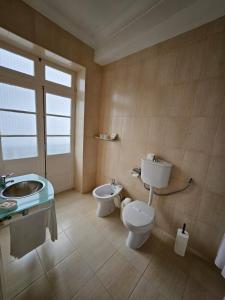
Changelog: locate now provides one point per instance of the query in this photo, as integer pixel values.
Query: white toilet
(138, 217)
(105, 196)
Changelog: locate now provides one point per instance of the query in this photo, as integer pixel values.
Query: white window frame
(40, 85)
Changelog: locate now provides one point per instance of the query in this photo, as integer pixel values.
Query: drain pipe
(150, 197)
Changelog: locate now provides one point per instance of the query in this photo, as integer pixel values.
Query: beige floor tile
(67, 216)
(118, 276)
(92, 290)
(145, 290)
(22, 272)
(166, 276)
(208, 276)
(138, 258)
(195, 291)
(96, 250)
(80, 231)
(39, 290)
(101, 223)
(51, 253)
(69, 276)
(116, 233)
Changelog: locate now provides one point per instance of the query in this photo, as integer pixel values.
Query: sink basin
(23, 189)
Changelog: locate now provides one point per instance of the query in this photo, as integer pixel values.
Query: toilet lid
(138, 213)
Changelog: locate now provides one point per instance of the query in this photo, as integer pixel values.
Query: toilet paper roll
(150, 156)
(125, 202)
(134, 174)
(181, 242)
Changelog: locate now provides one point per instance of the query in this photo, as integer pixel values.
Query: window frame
(13, 81)
(60, 90)
(39, 84)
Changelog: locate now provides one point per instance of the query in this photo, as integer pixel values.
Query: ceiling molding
(116, 29)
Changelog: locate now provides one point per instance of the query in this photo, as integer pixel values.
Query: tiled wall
(170, 99)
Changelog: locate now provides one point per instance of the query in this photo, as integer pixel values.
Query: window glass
(58, 145)
(12, 123)
(17, 98)
(58, 105)
(57, 76)
(58, 125)
(19, 147)
(16, 62)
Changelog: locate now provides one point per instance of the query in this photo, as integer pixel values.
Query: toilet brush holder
(181, 241)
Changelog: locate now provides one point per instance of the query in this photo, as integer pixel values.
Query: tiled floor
(90, 261)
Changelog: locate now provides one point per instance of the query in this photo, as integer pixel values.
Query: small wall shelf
(111, 138)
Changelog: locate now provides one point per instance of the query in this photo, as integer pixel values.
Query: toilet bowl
(105, 195)
(138, 217)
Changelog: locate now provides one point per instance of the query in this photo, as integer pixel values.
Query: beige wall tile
(135, 129)
(176, 132)
(214, 59)
(189, 62)
(206, 239)
(157, 131)
(215, 175)
(219, 141)
(195, 165)
(209, 98)
(182, 99)
(166, 69)
(201, 134)
(212, 209)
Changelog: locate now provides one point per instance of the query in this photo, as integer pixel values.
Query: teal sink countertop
(39, 198)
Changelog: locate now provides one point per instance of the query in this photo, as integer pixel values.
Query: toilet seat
(138, 214)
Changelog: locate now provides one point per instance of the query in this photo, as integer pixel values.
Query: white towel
(220, 258)
(27, 233)
(2, 279)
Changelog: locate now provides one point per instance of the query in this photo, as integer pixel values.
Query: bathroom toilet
(105, 196)
(138, 217)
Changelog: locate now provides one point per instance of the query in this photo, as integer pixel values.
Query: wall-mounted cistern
(156, 174)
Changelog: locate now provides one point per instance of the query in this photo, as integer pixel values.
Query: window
(18, 125)
(16, 98)
(56, 76)
(22, 128)
(16, 62)
(56, 104)
(58, 124)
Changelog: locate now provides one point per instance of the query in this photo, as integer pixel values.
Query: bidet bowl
(105, 195)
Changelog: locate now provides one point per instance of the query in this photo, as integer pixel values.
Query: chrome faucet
(113, 181)
(3, 181)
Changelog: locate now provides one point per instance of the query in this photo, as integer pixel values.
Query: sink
(23, 189)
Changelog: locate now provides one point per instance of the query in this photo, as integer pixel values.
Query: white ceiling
(117, 28)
